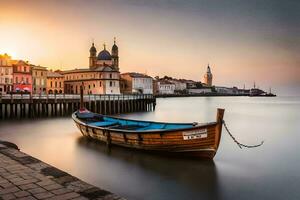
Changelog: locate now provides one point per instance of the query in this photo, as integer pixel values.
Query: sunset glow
(176, 39)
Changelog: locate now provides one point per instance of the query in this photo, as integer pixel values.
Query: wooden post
(81, 97)
(1, 104)
(219, 119)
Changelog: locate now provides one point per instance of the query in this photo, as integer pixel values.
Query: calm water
(269, 172)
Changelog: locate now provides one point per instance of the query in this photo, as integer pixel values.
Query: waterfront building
(22, 78)
(39, 79)
(136, 83)
(102, 76)
(203, 90)
(55, 82)
(227, 90)
(180, 85)
(164, 87)
(6, 74)
(100, 80)
(208, 77)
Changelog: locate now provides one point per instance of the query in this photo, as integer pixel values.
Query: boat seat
(103, 123)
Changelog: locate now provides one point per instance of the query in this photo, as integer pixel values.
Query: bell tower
(115, 55)
(208, 77)
(93, 57)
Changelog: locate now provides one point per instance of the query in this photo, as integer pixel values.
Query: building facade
(6, 74)
(39, 79)
(102, 76)
(55, 83)
(22, 78)
(100, 80)
(164, 87)
(208, 77)
(136, 83)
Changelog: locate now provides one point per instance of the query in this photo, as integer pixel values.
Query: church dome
(104, 55)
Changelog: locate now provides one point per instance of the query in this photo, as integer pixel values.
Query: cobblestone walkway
(25, 177)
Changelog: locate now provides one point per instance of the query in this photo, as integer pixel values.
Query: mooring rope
(237, 142)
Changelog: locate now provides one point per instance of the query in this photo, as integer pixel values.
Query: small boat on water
(185, 139)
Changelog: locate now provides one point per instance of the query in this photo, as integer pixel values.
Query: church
(102, 76)
(104, 58)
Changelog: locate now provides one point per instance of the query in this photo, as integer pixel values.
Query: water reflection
(268, 172)
(198, 176)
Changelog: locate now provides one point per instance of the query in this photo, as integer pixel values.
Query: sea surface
(271, 171)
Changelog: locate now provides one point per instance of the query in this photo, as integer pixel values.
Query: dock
(25, 177)
(35, 106)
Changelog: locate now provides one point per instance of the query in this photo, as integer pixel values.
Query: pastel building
(6, 74)
(136, 83)
(22, 78)
(55, 83)
(102, 76)
(100, 80)
(39, 79)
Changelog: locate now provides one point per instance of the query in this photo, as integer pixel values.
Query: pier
(35, 106)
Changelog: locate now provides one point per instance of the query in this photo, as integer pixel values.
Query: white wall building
(226, 90)
(165, 87)
(136, 83)
(179, 85)
(199, 90)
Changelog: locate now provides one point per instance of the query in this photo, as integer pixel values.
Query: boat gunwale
(76, 119)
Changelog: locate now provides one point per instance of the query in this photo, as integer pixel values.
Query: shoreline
(23, 176)
(208, 95)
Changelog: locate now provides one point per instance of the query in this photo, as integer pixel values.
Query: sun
(11, 53)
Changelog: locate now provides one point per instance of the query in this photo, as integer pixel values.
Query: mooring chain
(237, 142)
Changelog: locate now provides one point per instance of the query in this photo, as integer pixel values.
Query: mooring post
(1, 105)
(81, 97)
(219, 119)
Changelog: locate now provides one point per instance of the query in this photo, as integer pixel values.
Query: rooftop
(52, 74)
(136, 75)
(106, 68)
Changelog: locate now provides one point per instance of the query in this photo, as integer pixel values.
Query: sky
(243, 41)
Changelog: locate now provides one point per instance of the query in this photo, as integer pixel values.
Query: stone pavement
(25, 177)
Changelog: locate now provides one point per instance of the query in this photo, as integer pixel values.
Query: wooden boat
(186, 139)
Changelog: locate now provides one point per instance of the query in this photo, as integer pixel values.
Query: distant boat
(184, 139)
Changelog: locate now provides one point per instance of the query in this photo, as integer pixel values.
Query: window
(17, 80)
(55, 84)
(51, 84)
(100, 83)
(110, 83)
(59, 84)
(94, 86)
(110, 75)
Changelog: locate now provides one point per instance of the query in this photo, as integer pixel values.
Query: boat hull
(201, 141)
